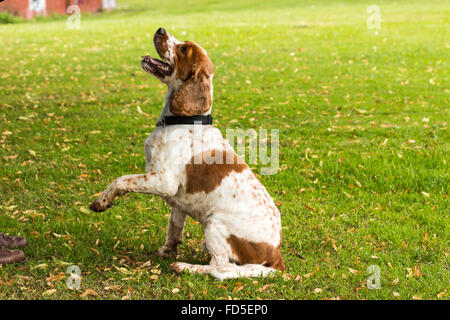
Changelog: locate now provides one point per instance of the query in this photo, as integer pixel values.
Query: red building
(29, 8)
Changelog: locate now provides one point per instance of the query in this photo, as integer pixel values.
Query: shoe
(11, 256)
(12, 242)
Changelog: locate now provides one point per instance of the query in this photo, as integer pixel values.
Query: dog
(196, 172)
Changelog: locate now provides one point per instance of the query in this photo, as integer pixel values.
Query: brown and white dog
(200, 175)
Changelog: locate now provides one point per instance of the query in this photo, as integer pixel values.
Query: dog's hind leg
(224, 271)
(220, 266)
(216, 245)
(231, 271)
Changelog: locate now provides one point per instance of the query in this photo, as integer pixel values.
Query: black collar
(173, 120)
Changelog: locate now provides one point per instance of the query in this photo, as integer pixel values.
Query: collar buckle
(161, 123)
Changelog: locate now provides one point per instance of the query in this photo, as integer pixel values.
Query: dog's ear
(194, 95)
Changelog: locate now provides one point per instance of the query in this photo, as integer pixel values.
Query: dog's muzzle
(156, 67)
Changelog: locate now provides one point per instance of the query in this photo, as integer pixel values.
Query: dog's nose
(161, 31)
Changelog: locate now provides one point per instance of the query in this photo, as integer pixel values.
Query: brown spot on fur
(256, 252)
(203, 175)
(146, 176)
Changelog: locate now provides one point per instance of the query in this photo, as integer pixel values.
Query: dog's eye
(184, 49)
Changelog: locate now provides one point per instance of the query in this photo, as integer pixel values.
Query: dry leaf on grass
(40, 266)
(52, 278)
(84, 210)
(114, 288)
(264, 287)
(89, 292)
(49, 292)
(317, 290)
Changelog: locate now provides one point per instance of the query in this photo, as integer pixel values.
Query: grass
(7, 18)
(363, 120)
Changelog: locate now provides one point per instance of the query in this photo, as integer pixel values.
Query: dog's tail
(230, 271)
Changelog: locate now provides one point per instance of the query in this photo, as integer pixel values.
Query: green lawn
(364, 146)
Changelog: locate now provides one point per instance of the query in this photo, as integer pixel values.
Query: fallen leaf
(312, 273)
(123, 270)
(333, 244)
(84, 210)
(404, 245)
(52, 278)
(146, 264)
(139, 110)
(114, 288)
(89, 292)
(49, 292)
(40, 266)
(264, 287)
(417, 272)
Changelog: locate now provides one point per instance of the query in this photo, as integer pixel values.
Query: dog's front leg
(174, 234)
(140, 183)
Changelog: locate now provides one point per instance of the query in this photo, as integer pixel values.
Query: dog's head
(186, 69)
